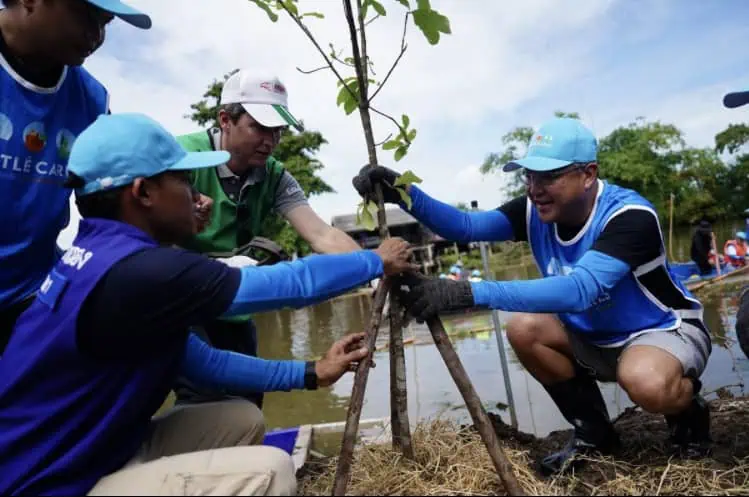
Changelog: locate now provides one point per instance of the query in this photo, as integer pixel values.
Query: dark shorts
(690, 344)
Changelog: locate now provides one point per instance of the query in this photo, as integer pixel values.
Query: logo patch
(34, 137)
(274, 87)
(64, 143)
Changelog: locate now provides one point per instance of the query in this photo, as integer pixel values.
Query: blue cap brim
(736, 99)
(536, 164)
(201, 160)
(124, 12)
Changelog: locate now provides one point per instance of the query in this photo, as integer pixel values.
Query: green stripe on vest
(225, 227)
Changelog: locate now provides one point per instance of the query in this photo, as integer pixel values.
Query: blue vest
(648, 298)
(68, 419)
(37, 129)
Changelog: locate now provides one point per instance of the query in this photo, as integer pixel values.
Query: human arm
(323, 238)
(629, 241)
(236, 373)
(444, 219)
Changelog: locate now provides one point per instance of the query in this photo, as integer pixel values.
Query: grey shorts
(690, 344)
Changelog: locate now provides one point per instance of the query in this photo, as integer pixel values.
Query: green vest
(226, 222)
(225, 226)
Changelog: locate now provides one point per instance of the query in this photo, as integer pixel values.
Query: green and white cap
(263, 97)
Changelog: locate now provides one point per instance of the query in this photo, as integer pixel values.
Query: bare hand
(344, 356)
(395, 254)
(202, 210)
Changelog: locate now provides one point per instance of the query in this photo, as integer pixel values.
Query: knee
(523, 330)
(244, 423)
(651, 390)
(281, 466)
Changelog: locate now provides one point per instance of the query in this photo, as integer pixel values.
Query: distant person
(702, 245)
(607, 306)
(735, 250)
(251, 186)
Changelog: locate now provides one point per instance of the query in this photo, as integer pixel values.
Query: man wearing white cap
(248, 189)
(46, 100)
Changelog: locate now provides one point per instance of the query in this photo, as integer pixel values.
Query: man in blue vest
(98, 350)
(607, 307)
(47, 100)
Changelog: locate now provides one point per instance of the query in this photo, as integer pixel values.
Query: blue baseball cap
(736, 99)
(124, 12)
(741, 235)
(558, 143)
(118, 148)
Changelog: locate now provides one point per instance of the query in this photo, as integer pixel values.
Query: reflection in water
(306, 334)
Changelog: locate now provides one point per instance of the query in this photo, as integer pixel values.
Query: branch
(404, 46)
(403, 132)
(390, 135)
(364, 55)
(323, 68)
(312, 38)
(372, 20)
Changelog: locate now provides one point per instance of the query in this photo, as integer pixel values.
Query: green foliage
(430, 22)
(653, 159)
(297, 153)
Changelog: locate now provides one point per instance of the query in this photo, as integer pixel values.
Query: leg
(548, 351)
(660, 372)
(541, 343)
(201, 427)
(231, 471)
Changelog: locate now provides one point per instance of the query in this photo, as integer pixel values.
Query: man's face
(68, 30)
(172, 204)
(560, 194)
(249, 142)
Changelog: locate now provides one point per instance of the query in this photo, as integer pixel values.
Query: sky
(506, 64)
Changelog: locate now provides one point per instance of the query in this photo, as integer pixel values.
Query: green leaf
(391, 145)
(406, 121)
(404, 3)
(373, 208)
(405, 197)
(345, 99)
(365, 219)
(378, 7)
(289, 4)
(314, 14)
(350, 106)
(407, 178)
(412, 135)
(430, 22)
(400, 153)
(263, 5)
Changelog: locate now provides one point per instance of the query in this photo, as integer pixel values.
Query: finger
(352, 339)
(356, 355)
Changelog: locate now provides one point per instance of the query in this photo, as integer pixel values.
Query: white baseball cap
(264, 98)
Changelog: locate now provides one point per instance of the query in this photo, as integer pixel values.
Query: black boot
(689, 431)
(582, 405)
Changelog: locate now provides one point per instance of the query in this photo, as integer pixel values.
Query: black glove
(427, 297)
(369, 176)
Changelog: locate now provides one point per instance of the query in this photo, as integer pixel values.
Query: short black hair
(235, 111)
(105, 204)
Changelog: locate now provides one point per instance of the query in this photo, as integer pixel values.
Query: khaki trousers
(205, 449)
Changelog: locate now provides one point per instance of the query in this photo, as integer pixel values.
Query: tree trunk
(399, 422)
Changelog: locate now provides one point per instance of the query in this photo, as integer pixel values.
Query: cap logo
(542, 141)
(274, 87)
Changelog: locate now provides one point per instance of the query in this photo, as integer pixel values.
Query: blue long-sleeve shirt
(163, 291)
(618, 250)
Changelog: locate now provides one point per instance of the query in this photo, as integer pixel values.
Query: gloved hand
(427, 297)
(369, 176)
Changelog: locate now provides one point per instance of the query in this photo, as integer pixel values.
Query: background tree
(296, 151)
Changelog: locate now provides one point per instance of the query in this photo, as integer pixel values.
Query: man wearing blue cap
(607, 307)
(47, 100)
(98, 350)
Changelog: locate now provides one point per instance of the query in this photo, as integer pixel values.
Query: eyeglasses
(548, 178)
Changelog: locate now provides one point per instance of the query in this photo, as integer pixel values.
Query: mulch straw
(451, 460)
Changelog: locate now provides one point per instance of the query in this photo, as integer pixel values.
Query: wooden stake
(671, 230)
(399, 422)
(475, 408)
(343, 472)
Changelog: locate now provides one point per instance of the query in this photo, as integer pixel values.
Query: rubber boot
(689, 431)
(582, 405)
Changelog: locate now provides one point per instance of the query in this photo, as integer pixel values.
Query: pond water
(307, 333)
